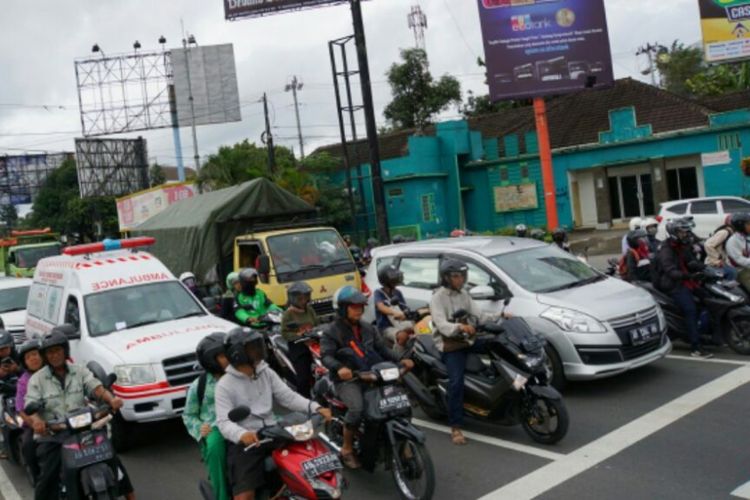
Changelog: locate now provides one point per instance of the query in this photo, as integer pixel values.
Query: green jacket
(45, 387)
(196, 413)
(255, 306)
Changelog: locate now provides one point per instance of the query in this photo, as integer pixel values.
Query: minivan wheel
(554, 367)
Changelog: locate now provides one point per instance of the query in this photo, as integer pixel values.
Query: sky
(40, 40)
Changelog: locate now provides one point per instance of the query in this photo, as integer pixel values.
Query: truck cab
(21, 252)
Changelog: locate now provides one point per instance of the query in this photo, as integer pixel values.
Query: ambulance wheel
(121, 433)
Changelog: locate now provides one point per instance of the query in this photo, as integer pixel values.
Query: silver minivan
(595, 326)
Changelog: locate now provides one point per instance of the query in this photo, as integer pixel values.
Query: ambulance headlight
(135, 374)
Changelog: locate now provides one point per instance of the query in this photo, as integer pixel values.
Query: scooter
(386, 433)
(11, 422)
(509, 387)
(300, 466)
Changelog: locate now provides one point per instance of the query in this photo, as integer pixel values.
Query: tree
(156, 176)
(417, 97)
(9, 216)
(242, 162)
(677, 64)
(720, 79)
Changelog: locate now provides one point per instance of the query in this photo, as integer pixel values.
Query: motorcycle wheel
(738, 336)
(413, 471)
(544, 420)
(435, 411)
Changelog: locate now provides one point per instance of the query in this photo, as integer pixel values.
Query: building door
(682, 183)
(631, 196)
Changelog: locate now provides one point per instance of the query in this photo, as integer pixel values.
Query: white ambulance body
(134, 318)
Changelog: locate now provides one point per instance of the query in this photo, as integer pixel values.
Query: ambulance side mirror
(264, 268)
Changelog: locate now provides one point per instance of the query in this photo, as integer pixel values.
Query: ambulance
(132, 317)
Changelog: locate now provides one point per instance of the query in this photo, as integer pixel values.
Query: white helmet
(636, 223)
(649, 221)
(186, 276)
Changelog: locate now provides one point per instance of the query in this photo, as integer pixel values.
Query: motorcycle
(509, 387)
(11, 422)
(386, 433)
(300, 466)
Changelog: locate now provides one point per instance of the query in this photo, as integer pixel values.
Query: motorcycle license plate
(87, 450)
(320, 465)
(644, 334)
(393, 399)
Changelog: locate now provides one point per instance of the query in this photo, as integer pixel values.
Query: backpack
(201, 390)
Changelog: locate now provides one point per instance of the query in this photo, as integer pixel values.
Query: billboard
(22, 176)
(137, 208)
(234, 9)
(726, 29)
(111, 167)
(213, 81)
(535, 48)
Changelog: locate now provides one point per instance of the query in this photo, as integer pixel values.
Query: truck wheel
(121, 431)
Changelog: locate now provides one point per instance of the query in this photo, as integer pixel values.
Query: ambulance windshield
(134, 306)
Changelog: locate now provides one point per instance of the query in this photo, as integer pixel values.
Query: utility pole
(650, 51)
(294, 87)
(418, 23)
(186, 45)
(268, 139)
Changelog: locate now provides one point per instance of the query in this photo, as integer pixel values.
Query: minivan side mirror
(483, 292)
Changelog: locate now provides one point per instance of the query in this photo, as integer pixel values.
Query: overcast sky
(39, 41)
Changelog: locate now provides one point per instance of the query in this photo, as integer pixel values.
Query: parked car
(707, 213)
(595, 326)
(14, 292)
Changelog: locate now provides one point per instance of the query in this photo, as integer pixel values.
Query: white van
(133, 317)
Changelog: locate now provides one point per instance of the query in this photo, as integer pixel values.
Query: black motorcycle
(12, 424)
(509, 386)
(386, 433)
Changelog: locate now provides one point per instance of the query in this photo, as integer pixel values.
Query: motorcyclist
(349, 331)
(251, 303)
(716, 246)
(249, 381)
(199, 416)
(298, 319)
(651, 226)
(30, 357)
(188, 279)
(391, 309)
(371, 244)
(635, 223)
(637, 262)
(227, 300)
(560, 238)
(60, 387)
(9, 371)
(455, 340)
(674, 273)
(521, 230)
(738, 248)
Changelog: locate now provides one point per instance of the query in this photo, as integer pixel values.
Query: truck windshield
(134, 306)
(309, 254)
(29, 257)
(13, 299)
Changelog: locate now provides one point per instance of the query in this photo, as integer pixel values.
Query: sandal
(457, 437)
(350, 461)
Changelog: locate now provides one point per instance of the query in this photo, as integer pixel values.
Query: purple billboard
(535, 48)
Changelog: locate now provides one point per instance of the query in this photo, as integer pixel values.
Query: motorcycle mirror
(239, 414)
(110, 380)
(506, 301)
(98, 372)
(33, 408)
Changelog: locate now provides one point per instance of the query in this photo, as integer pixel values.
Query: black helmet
(57, 337)
(208, 348)
(739, 220)
(450, 266)
(6, 339)
(346, 296)
(521, 230)
(297, 290)
(682, 224)
(236, 343)
(390, 276)
(559, 235)
(634, 237)
(27, 347)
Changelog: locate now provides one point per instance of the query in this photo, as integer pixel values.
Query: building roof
(728, 102)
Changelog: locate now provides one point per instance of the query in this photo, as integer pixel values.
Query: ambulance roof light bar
(109, 245)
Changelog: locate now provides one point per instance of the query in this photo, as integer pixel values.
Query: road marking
(7, 490)
(555, 473)
(734, 362)
(742, 492)
(529, 450)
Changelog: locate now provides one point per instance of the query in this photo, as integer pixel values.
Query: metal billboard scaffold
(22, 176)
(111, 167)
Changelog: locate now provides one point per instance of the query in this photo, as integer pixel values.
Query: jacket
(715, 247)
(638, 269)
(198, 412)
(669, 274)
(252, 306)
(45, 387)
(340, 334)
(444, 303)
(259, 393)
(738, 250)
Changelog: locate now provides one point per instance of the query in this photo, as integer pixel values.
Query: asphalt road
(671, 430)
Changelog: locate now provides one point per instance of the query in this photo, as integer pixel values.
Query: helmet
(345, 297)
(635, 223)
(232, 278)
(521, 230)
(651, 226)
(682, 224)
(26, 347)
(235, 346)
(188, 279)
(739, 220)
(249, 279)
(399, 238)
(347, 239)
(298, 289)
(390, 276)
(6, 339)
(634, 238)
(559, 235)
(450, 266)
(537, 234)
(372, 242)
(208, 348)
(58, 337)
(458, 233)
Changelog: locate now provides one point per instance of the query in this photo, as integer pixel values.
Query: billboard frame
(111, 167)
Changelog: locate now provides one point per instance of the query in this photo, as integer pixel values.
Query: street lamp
(136, 45)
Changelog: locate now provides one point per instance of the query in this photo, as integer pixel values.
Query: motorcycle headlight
(573, 321)
(389, 374)
(332, 491)
(135, 374)
(301, 432)
(80, 421)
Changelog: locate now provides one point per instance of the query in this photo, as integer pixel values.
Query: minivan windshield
(545, 269)
(309, 254)
(141, 305)
(13, 299)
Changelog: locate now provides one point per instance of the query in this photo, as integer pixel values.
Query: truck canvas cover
(197, 234)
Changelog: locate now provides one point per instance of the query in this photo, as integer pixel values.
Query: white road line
(7, 490)
(743, 491)
(711, 360)
(596, 452)
(529, 450)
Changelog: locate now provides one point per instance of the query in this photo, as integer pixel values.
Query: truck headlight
(573, 321)
(135, 374)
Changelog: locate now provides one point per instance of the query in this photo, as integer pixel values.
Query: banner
(137, 208)
(535, 48)
(234, 9)
(726, 29)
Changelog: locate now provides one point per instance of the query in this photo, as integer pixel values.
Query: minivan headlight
(573, 321)
(660, 317)
(135, 374)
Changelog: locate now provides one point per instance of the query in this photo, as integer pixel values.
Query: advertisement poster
(135, 209)
(234, 9)
(726, 29)
(535, 48)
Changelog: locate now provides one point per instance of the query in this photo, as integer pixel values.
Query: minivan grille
(634, 319)
(182, 370)
(19, 336)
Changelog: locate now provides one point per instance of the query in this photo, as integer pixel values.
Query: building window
(729, 141)
(395, 192)
(428, 207)
(524, 171)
